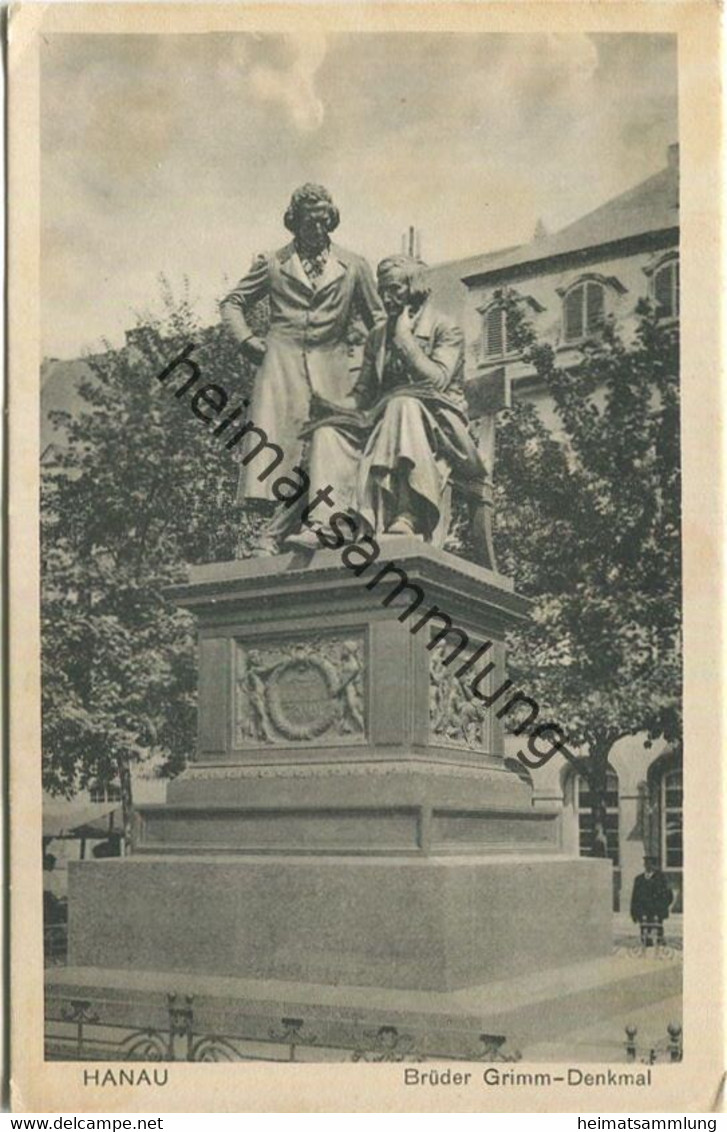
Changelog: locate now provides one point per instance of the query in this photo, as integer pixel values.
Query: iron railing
(76, 1030)
(668, 1049)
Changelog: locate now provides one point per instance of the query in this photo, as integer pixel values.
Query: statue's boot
(304, 539)
(404, 525)
(406, 519)
(285, 519)
(264, 545)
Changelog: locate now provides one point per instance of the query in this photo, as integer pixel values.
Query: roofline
(472, 258)
(627, 194)
(579, 256)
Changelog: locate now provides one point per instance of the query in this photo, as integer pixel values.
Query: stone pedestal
(421, 924)
(348, 819)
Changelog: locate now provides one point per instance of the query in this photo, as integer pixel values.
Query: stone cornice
(448, 581)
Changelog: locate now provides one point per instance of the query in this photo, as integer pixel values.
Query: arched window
(663, 835)
(582, 800)
(499, 322)
(585, 817)
(666, 289)
(584, 310)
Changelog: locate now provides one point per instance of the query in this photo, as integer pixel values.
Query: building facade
(571, 281)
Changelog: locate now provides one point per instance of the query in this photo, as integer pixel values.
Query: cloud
(293, 87)
(574, 60)
(178, 153)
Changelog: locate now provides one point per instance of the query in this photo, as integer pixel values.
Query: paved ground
(606, 1041)
(626, 933)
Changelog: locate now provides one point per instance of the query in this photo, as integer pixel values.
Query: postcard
(365, 552)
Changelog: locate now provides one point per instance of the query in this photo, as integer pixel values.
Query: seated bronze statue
(391, 462)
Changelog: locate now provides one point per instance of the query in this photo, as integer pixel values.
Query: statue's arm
(250, 290)
(369, 302)
(439, 368)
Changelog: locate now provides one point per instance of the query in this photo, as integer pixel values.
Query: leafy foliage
(589, 525)
(140, 488)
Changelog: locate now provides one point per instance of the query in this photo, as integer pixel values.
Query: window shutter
(495, 332)
(664, 291)
(594, 306)
(573, 313)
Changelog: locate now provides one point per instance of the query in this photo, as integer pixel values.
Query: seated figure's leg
(401, 481)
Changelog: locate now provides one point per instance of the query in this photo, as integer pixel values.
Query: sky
(177, 154)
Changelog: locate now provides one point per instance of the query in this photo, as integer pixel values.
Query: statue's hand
(403, 329)
(254, 349)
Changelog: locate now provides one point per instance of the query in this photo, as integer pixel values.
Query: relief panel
(456, 717)
(300, 690)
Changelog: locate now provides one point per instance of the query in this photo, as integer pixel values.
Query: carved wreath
(300, 729)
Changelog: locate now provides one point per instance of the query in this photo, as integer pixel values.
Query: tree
(140, 490)
(589, 525)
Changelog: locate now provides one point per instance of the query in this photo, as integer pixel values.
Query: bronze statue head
(402, 282)
(311, 216)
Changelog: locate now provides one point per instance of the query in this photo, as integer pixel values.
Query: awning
(79, 819)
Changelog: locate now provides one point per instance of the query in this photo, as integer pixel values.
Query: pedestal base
(420, 923)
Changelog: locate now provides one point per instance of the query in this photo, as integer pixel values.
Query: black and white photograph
(358, 431)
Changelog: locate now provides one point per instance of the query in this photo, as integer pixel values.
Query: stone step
(523, 1012)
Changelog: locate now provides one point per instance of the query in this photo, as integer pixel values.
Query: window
(671, 820)
(501, 321)
(495, 332)
(671, 834)
(666, 290)
(585, 818)
(584, 310)
(585, 827)
(100, 793)
(663, 276)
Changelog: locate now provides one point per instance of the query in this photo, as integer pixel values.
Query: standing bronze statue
(314, 287)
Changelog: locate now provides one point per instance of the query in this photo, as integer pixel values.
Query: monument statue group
(347, 831)
(388, 437)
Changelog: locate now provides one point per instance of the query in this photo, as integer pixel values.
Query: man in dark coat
(650, 902)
